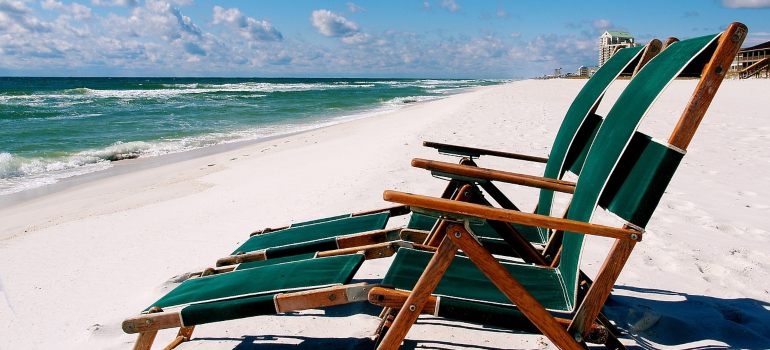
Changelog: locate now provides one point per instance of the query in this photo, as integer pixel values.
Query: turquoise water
(52, 128)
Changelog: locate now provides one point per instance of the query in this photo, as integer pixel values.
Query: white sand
(75, 263)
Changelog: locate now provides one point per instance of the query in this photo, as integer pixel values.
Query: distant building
(752, 62)
(585, 71)
(612, 41)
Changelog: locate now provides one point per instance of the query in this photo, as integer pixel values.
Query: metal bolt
(332, 297)
(458, 234)
(578, 337)
(634, 236)
(718, 70)
(466, 194)
(412, 308)
(148, 321)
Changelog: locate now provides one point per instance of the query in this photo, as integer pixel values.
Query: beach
(77, 261)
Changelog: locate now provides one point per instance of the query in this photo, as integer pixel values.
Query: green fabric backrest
(613, 137)
(576, 155)
(576, 115)
(639, 180)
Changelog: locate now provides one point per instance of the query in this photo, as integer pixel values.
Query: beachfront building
(752, 62)
(585, 71)
(612, 41)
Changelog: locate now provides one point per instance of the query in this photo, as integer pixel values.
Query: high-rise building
(611, 41)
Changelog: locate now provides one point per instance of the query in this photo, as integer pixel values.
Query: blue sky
(431, 38)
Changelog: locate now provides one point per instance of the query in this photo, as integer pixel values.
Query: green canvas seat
(625, 172)
(317, 235)
(250, 292)
(463, 280)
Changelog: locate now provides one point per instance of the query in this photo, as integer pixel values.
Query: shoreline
(75, 263)
(124, 166)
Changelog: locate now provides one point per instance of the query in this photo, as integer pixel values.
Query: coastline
(97, 251)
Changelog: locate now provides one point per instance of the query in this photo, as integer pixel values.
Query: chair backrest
(625, 171)
(580, 123)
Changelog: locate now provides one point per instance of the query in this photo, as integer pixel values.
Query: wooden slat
(425, 286)
(464, 194)
(372, 251)
(411, 235)
(668, 42)
(242, 258)
(152, 322)
(453, 207)
(395, 299)
(495, 175)
(144, 340)
(482, 151)
(322, 297)
(650, 50)
(184, 334)
(729, 43)
(601, 287)
(365, 238)
(508, 285)
(387, 297)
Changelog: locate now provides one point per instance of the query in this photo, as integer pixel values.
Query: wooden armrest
(477, 152)
(494, 175)
(464, 209)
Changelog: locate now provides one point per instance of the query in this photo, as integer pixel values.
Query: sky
(397, 39)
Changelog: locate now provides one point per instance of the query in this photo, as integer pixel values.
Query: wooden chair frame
(460, 236)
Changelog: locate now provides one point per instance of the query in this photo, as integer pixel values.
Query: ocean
(55, 128)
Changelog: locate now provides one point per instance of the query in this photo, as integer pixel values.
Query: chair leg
(512, 289)
(425, 286)
(600, 289)
(184, 334)
(144, 340)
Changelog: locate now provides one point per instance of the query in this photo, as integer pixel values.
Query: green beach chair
(348, 232)
(305, 282)
(625, 173)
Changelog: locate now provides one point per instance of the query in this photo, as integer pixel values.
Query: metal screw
(458, 234)
(332, 297)
(634, 236)
(466, 194)
(578, 337)
(412, 308)
(718, 70)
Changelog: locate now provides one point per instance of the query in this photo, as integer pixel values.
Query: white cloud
(76, 10)
(130, 3)
(250, 28)
(450, 5)
(331, 24)
(601, 24)
(746, 3)
(353, 8)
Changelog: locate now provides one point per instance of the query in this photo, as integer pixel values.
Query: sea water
(54, 128)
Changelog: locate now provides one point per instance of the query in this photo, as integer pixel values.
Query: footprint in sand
(681, 205)
(730, 229)
(747, 193)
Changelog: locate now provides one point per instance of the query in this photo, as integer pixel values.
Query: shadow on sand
(655, 317)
